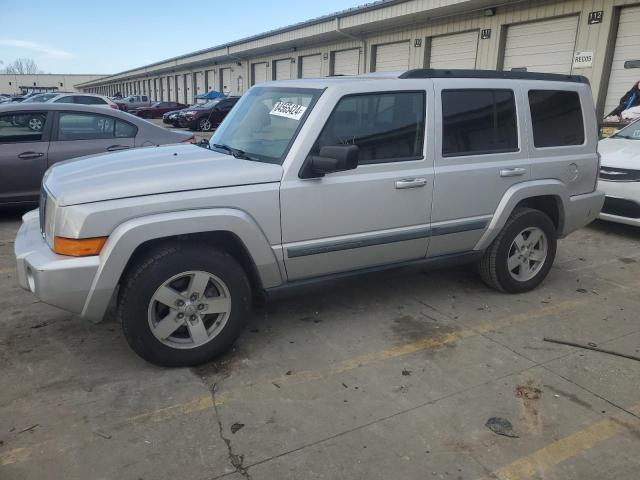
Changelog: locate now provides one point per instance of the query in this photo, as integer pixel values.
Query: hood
(152, 170)
(620, 153)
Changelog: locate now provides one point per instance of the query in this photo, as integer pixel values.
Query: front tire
(183, 304)
(522, 254)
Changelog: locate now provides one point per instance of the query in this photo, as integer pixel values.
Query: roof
(497, 74)
(71, 107)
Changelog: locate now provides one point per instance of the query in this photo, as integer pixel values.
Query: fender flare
(129, 235)
(517, 193)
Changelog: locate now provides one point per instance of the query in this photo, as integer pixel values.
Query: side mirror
(333, 158)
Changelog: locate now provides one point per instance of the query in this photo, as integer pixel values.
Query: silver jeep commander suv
(307, 180)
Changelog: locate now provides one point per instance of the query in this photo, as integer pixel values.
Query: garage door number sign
(288, 110)
(583, 60)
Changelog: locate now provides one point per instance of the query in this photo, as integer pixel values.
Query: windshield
(264, 123)
(630, 132)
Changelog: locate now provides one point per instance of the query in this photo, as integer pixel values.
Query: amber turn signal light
(78, 247)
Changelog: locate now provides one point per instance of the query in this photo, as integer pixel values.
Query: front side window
(556, 117)
(264, 123)
(478, 121)
(386, 127)
(84, 126)
(22, 127)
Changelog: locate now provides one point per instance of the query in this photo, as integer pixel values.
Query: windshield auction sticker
(288, 110)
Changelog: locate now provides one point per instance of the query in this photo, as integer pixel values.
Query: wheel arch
(548, 196)
(231, 229)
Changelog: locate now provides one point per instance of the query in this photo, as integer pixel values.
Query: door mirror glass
(334, 158)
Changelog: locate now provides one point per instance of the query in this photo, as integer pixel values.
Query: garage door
(225, 81)
(392, 57)
(200, 88)
(259, 73)
(180, 88)
(188, 80)
(282, 69)
(210, 80)
(346, 62)
(546, 46)
(311, 66)
(627, 48)
(454, 51)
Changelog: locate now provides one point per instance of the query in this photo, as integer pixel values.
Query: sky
(97, 37)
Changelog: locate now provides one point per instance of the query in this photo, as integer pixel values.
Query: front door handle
(114, 148)
(512, 172)
(30, 155)
(411, 183)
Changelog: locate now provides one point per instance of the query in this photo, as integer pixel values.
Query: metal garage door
(200, 88)
(311, 66)
(454, 51)
(225, 81)
(627, 48)
(180, 88)
(259, 73)
(282, 69)
(545, 46)
(392, 57)
(346, 62)
(188, 81)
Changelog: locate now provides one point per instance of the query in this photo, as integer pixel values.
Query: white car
(84, 99)
(620, 175)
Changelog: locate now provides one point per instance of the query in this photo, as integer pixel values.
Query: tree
(22, 66)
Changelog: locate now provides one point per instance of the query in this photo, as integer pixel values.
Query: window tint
(385, 126)
(125, 130)
(67, 99)
(145, 99)
(476, 122)
(84, 126)
(22, 127)
(556, 117)
(90, 100)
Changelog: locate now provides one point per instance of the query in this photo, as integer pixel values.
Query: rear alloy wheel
(522, 254)
(204, 125)
(183, 304)
(36, 124)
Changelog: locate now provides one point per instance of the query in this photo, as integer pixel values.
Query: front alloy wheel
(189, 309)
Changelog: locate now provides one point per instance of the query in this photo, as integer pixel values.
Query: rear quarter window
(556, 118)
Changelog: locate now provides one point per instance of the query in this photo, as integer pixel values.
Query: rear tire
(522, 254)
(204, 125)
(164, 286)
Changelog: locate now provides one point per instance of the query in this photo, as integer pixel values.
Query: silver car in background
(34, 136)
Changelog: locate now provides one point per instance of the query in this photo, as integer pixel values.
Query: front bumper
(581, 210)
(55, 279)
(187, 122)
(622, 203)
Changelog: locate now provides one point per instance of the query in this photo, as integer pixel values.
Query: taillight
(114, 106)
(191, 140)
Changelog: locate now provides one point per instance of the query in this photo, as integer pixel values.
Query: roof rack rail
(514, 75)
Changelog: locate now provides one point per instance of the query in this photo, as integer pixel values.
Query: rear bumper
(581, 210)
(58, 280)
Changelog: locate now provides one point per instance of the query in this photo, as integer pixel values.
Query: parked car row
(34, 136)
(204, 117)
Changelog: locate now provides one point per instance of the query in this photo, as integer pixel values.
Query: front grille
(619, 174)
(42, 210)
(621, 207)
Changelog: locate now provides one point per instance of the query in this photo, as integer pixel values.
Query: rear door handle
(30, 155)
(114, 148)
(512, 172)
(411, 183)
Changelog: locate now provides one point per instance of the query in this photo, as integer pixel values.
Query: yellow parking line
(19, 455)
(561, 450)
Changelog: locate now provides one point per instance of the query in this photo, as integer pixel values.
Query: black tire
(155, 268)
(204, 125)
(493, 266)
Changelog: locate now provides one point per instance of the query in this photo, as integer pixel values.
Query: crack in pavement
(236, 460)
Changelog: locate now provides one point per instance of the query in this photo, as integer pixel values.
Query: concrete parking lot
(392, 375)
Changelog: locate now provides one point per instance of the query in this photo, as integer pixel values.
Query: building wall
(17, 84)
(405, 21)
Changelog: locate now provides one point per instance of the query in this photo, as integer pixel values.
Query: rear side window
(90, 100)
(125, 130)
(22, 127)
(556, 117)
(84, 126)
(67, 99)
(476, 122)
(386, 127)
